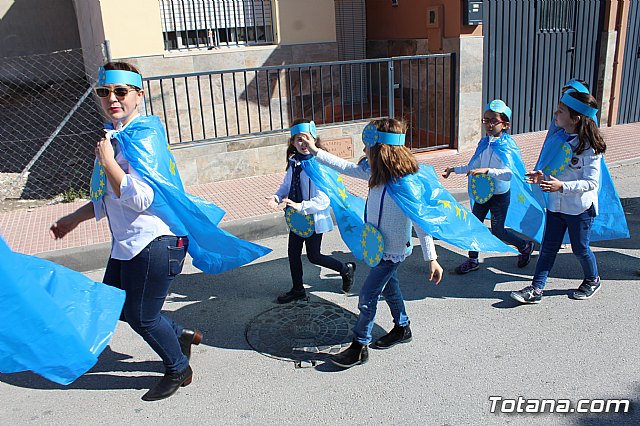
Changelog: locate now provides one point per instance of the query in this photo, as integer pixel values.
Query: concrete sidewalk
(247, 216)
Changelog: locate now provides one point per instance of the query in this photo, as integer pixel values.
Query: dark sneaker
(348, 277)
(525, 255)
(468, 266)
(354, 355)
(188, 338)
(292, 295)
(397, 335)
(527, 295)
(587, 289)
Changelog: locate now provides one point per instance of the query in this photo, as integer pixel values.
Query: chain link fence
(49, 123)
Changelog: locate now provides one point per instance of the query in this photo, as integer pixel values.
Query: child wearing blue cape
(307, 212)
(387, 160)
(572, 186)
(153, 222)
(491, 171)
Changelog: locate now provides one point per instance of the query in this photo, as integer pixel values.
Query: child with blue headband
(569, 171)
(491, 171)
(387, 159)
(307, 212)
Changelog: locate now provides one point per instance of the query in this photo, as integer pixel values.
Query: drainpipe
(622, 20)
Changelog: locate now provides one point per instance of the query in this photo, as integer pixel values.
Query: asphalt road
(471, 342)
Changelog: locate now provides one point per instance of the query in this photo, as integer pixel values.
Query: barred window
(206, 24)
(556, 15)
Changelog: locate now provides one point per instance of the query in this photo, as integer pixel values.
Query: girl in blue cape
(572, 188)
(389, 161)
(307, 213)
(495, 166)
(153, 223)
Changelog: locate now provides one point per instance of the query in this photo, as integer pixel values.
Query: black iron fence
(207, 24)
(218, 105)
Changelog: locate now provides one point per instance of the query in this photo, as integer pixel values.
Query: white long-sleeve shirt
(579, 183)
(497, 169)
(395, 227)
(314, 202)
(132, 226)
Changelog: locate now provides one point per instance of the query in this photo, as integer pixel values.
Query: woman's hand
(272, 202)
(475, 172)
(551, 185)
(104, 151)
(289, 203)
(534, 177)
(435, 271)
(447, 172)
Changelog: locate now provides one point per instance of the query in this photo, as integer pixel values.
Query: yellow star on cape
(380, 248)
(172, 167)
(339, 178)
(554, 172)
(457, 211)
(521, 198)
(365, 253)
(464, 215)
(445, 203)
(342, 193)
(379, 237)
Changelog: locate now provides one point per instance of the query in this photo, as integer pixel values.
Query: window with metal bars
(206, 24)
(556, 15)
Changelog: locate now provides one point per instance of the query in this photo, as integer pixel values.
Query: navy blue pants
(146, 280)
(313, 254)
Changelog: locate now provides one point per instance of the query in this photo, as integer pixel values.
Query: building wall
(29, 27)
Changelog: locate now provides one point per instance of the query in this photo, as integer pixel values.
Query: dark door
(629, 105)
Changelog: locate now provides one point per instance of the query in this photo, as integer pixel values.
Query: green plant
(72, 194)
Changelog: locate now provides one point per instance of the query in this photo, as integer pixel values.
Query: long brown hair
(291, 149)
(586, 128)
(389, 162)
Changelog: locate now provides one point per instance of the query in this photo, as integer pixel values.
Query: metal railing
(214, 106)
(207, 24)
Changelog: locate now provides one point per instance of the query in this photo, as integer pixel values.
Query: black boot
(168, 385)
(395, 336)
(188, 338)
(354, 355)
(348, 277)
(292, 295)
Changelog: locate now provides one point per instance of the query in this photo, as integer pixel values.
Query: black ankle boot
(354, 355)
(348, 277)
(188, 338)
(396, 335)
(292, 295)
(168, 385)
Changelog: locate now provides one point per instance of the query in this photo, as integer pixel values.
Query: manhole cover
(304, 331)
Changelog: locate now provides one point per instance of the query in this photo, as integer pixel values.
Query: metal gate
(532, 47)
(629, 107)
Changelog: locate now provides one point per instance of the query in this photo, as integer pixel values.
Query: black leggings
(313, 254)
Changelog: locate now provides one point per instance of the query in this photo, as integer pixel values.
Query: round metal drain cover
(303, 331)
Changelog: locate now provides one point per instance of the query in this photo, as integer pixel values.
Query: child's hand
(435, 271)
(312, 147)
(447, 172)
(551, 185)
(475, 172)
(534, 177)
(63, 226)
(289, 203)
(272, 202)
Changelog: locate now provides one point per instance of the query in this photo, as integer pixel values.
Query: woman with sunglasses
(496, 157)
(153, 222)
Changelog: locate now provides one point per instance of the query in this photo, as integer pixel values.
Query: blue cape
(144, 145)
(526, 211)
(422, 199)
(611, 223)
(55, 321)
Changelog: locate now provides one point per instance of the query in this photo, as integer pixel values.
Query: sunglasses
(120, 91)
(493, 121)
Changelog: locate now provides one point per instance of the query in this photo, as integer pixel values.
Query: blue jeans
(146, 280)
(498, 205)
(382, 280)
(579, 227)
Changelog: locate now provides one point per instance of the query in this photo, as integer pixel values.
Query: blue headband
(119, 77)
(579, 107)
(371, 136)
(304, 127)
(500, 107)
(577, 86)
